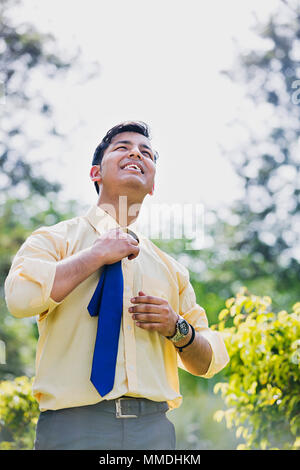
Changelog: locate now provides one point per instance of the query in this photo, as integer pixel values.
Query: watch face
(183, 327)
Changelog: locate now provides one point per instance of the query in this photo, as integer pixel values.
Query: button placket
(129, 334)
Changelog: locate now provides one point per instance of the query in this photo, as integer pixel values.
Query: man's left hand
(153, 314)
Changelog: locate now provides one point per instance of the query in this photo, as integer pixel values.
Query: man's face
(128, 165)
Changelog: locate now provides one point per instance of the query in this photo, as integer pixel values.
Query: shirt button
(128, 327)
(127, 289)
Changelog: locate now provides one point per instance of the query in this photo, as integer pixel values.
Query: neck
(122, 208)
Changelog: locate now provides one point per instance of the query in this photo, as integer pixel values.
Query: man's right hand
(109, 248)
(114, 245)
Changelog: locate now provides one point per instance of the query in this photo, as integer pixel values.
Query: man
(55, 274)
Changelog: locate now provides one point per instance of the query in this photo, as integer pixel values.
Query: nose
(135, 153)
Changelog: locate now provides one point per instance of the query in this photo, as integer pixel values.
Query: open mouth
(133, 167)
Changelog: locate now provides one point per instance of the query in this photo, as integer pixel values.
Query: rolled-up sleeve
(196, 316)
(30, 279)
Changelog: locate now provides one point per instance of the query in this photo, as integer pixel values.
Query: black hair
(128, 126)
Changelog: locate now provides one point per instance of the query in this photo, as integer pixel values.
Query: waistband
(131, 407)
(122, 407)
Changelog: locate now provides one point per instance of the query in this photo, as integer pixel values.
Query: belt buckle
(119, 409)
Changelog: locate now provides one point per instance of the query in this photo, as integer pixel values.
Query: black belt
(131, 407)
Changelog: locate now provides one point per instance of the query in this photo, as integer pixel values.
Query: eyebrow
(129, 142)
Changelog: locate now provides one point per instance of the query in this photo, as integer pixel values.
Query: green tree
(28, 198)
(24, 52)
(18, 414)
(255, 242)
(265, 240)
(263, 376)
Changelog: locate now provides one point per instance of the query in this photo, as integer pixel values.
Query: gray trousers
(98, 427)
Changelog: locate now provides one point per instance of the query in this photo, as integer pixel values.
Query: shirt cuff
(42, 272)
(219, 353)
(29, 288)
(51, 305)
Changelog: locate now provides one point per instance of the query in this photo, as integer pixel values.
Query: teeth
(133, 166)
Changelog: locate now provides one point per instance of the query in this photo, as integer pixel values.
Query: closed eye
(145, 151)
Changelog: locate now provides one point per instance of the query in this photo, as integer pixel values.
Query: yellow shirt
(147, 362)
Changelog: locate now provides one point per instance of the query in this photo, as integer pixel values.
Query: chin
(132, 188)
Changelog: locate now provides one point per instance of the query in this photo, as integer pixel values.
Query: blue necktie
(107, 303)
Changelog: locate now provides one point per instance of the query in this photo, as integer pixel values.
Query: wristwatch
(182, 329)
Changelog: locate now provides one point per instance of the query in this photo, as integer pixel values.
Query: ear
(95, 173)
(152, 190)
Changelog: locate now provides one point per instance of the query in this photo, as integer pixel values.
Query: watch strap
(190, 341)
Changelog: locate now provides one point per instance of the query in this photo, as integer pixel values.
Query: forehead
(133, 137)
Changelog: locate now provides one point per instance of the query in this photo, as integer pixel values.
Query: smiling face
(127, 166)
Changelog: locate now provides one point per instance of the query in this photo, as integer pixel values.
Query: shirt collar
(102, 221)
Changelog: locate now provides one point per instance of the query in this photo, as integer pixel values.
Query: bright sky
(160, 62)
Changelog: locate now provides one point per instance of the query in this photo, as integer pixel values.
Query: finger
(135, 248)
(134, 253)
(149, 299)
(132, 234)
(132, 241)
(119, 234)
(146, 308)
(147, 317)
(116, 234)
(132, 256)
(129, 239)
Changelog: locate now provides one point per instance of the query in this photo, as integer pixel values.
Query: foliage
(25, 53)
(19, 342)
(262, 387)
(28, 199)
(266, 156)
(18, 414)
(252, 245)
(255, 242)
